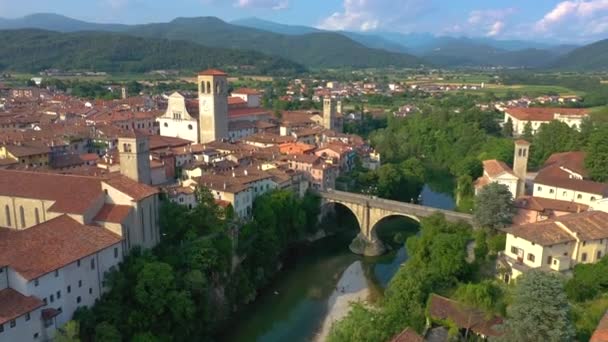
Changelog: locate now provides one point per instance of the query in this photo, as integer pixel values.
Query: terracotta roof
(464, 317)
(573, 161)
(589, 225)
(522, 142)
(408, 335)
(495, 168)
(72, 194)
(246, 91)
(13, 304)
(235, 101)
(240, 112)
(137, 191)
(41, 249)
(113, 213)
(601, 332)
(544, 204)
(544, 233)
(542, 113)
(212, 72)
(24, 150)
(554, 176)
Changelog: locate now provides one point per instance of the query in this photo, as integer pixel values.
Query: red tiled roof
(601, 332)
(212, 72)
(464, 317)
(408, 335)
(72, 194)
(133, 189)
(495, 168)
(573, 161)
(543, 204)
(13, 304)
(544, 233)
(240, 112)
(543, 114)
(41, 249)
(246, 91)
(113, 213)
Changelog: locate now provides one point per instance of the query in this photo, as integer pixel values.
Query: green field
(530, 90)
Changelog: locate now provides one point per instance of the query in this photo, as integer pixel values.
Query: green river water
(294, 307)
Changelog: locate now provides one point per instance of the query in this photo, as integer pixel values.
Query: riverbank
(352, 287)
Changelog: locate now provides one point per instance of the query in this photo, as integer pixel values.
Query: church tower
(520, 165)
(134, 152)
(329, 113)
(213, 105)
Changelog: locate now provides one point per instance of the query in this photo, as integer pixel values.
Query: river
(295, 306)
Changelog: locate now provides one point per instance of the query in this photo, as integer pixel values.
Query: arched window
(37, 216)
(22, 215)
(190, 127)
(208, 87)
(203, 90)
(7, 212)
(218, 88)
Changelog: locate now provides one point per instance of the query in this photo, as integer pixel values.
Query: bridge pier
(361, 245)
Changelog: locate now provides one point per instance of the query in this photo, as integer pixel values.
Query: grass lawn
(600, 113)
(530, 90)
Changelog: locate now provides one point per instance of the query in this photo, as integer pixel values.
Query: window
(69, 289)
(564, 193)
(37, 216)
(13, 323)
(592, 198)
(52, 298)
(115, 252)
(78, 263)
(92, 264)
(44, 300)
(90, 290)
(584, 257)
(166, 124)
(579, 196)
(599, 255)
(514, 250)
(531, 257)
(584, 243)
(56, 273)
(58, 294)
(36, 335)
(190, 127)
(552, 191)
(549, 260)
(78, 299)
(565, 253)
(80, 283)
(7, 212)
(36, 282)
(22, 215)
(1, 328)
(540, 188)
(27, 317)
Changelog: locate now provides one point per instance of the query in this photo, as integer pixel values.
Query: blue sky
(570, 20)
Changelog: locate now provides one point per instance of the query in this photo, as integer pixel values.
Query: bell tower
(520, 165)
(213, 105)
(329, 113)
(134, 153)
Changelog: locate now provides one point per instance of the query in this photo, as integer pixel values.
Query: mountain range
(316, 48)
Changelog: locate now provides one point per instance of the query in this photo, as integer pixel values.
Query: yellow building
(31, 156)
(555, 245)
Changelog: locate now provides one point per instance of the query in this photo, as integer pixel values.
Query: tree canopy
(494, 206)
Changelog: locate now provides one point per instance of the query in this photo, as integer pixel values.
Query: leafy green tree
(106, 332)
(528, 133)
(588, 281)
(551, 138)
(494, 206)
(540, 310)
(507, 128)
(485, 295)
(70, 332)
(596, 160)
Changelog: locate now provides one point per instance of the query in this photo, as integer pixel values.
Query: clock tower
(213, 105)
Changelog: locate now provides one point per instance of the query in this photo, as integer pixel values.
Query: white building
(555, 245)
(495, 171)
(564, 178)
(253, 97)
(537, 116)
(178, 122)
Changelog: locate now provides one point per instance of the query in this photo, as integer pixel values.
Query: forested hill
(35, 50)
(593, 57)
(323, 49)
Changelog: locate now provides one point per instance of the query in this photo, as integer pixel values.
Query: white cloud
(368, 15)
(575, 18)
(272, 4)
(490, 21)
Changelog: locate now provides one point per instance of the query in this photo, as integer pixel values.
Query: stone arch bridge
(370, 210)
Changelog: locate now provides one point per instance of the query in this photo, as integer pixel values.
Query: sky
(563, 21)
